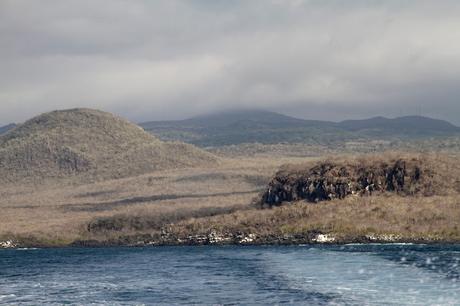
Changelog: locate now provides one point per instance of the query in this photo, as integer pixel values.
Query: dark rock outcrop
(334, 180)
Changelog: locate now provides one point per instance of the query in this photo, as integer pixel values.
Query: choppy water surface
(297, 275)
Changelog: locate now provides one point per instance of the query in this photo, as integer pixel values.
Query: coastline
(235, 240)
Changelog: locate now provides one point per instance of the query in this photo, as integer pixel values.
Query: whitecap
(7, 296)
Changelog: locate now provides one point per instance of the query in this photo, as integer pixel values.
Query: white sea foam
(367, 278)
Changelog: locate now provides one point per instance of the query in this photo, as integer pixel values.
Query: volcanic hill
(88, 144)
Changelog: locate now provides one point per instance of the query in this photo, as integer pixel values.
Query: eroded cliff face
(336, 180)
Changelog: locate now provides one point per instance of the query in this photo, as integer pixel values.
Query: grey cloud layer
(170, 59)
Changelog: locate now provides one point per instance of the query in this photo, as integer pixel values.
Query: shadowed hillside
(90, 144)
(408, 125)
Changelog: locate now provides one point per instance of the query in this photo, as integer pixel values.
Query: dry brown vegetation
(445, 145)
(383, 217)
(79, 145)
(404, 174)
(198, 201)
(405, 218)
(60, 214)
(122, 185)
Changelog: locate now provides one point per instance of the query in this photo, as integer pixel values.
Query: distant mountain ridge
(245, 126)
(409, 124)
(6, 128)
(229, 118)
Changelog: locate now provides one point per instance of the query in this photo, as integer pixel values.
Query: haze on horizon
(171, 59)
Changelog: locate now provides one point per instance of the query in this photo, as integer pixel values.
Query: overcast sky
(152, 60)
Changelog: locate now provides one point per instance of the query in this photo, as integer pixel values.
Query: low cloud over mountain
(172, 59)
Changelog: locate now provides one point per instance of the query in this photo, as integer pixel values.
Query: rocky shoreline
(253, 240)
(216, 239)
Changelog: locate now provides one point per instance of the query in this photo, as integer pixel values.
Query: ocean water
(262, 275)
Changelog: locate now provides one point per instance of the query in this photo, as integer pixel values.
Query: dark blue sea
(262, 275)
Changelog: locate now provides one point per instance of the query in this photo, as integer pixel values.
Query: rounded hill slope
(91, 144)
